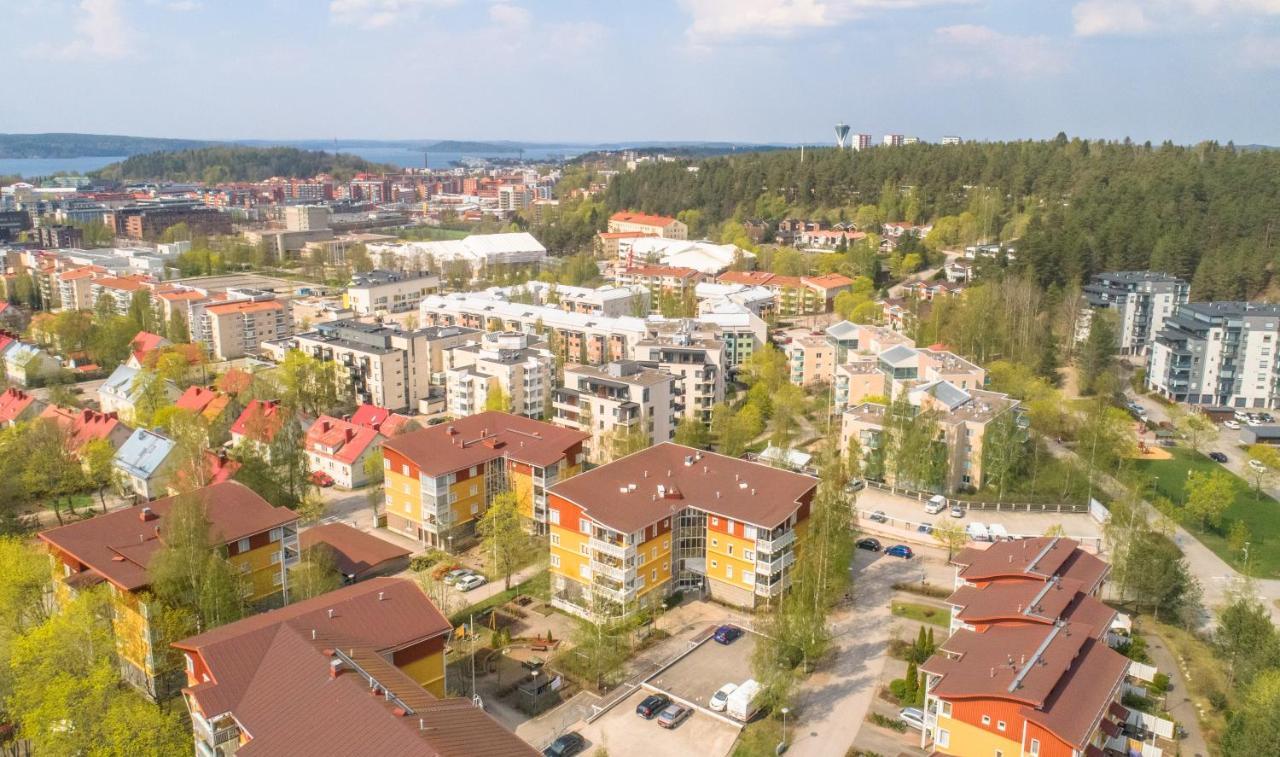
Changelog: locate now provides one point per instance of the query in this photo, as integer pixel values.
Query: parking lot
(697, 675)
(621, 731)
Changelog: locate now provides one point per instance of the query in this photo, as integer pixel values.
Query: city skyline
(704, 70)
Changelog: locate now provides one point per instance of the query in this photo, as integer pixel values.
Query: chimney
(335, 667)
(147, 514)
(330, 613)
(313, 634)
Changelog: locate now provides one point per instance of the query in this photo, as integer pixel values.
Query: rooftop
(727, 486)
(355, 552)
(1038, 558)
(476, 439)
(143, 453)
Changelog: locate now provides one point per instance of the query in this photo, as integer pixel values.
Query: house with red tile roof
(357, 555)
(648, 225)
(143, 345)
(209, 404)
(381, 419)
(17, 406)
(260, 542)
(258, 424)
(85, 425)
(217, 467)
(359, 670)
(340, 448)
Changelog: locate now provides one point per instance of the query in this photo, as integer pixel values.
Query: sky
(623, 70)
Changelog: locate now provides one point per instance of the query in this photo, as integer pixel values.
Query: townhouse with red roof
(17, 406)
(83, 425)
(258, 425)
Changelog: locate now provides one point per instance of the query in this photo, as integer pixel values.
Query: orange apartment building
(1027, 669)
(114, 549)
(360, 670)
(629, 533)
(648, 225)
(440, 480)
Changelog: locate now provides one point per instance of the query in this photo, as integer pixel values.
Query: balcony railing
(778, 563)
(609, 548)
(777, 543)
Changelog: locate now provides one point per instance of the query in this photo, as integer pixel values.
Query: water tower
(842, 135)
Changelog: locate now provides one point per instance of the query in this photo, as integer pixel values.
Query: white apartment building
(1142, 300)
(306, 217)
(238, 328)
(507, 361)
(698, 364)
(378, 291)
(1218, 354)
(622, 394)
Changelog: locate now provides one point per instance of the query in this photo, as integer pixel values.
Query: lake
(32, 167)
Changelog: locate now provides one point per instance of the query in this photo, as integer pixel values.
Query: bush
(924, 590)
(674, 599)
(892, 724)
(899, 688)
(1135, 702)
(1160, 684)
(1217, 699)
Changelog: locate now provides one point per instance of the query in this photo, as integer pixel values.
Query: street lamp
(782, 745)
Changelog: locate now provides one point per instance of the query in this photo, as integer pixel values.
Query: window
(944, 709)
(584, 525)
(406, 487)
(473, 470)
(407, 507)
(553, 516)
(986, 720)
(748, 578)
(474, 490)
(555, 561)
(277, 579)
(730, 547)
(666, 545)
(653, 575)
(715, 563)
(582, 548)
(276, 534)
(999, 753)
(1034, 749)
(584, 571)
(715, 542)
(748, 555)
(191, 663)
(242, 546)
(475, 508)
(404, 469)
(386, 464)
(275, 557)
(728, 571)
(729, 527)
(715, 521)
(555, 540)
(653, 553)
(1000, 725)
(943, 738)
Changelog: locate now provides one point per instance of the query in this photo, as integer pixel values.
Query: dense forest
(1208, 212)
(86, 145)
(218, 164)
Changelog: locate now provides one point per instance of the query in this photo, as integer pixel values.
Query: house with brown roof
(115, 549)
(356, 671)
(441, 479)
(357, 555)
(667, 518)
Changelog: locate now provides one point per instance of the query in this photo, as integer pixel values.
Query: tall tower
(842, 135)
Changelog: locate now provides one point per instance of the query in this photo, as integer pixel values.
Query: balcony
(618, 594)
(619, 551)
(615, 572)
(786, 560)
(776, 543)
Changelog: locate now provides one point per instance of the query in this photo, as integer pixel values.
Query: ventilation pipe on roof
(335, 667)
(331, 613)
(380, 595)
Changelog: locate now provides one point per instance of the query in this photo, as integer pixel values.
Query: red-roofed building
(607, 241)
(235, 382)
(381, 419)
(259, 424)
(648, 225)
(660, 280)
(84, 425)
(235, 329)
(340, 449)
(142, 346)
(794, 295)
(17, 406)
(298, 681)
(209, 404)
(357, 555)
(261, 542)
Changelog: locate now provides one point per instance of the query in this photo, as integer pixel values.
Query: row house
(626, 535)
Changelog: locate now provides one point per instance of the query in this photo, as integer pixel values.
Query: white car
(1233, 425)
(1259, 467)
(721, 697)
(913, 717)
(470, 582)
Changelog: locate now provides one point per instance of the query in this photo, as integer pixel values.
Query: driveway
(622, 732)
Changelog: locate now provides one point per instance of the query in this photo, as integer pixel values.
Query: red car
(320, 478)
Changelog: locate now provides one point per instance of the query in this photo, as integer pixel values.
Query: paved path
(1178, 702)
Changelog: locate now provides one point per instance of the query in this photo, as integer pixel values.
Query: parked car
(936, 504)
(727, 634)
(878, 516)
(855, 485)
(1233, 425)
(913, 717)
(978, 531)
(569, 744)
(957, 511)
(1240, 416)
(320, 478)
(473, 581)
(900, 550)
(673, 715)
(869, 544)
(456, 575)
(1217, 457)
(925, 528)
(721, 697)
(652, 705)
(1259, 467)
(1266, 417)
(998, 532)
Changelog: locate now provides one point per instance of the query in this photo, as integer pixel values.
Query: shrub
(675, 598)
(892, 724)
(924, 590)
(1160, 684)
(899, 688)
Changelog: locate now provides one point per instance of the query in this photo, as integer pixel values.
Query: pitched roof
(341, 440)
(143, 453)
(1039, 558)
(380, 419)
(119, 545)
(482, 437)
(13, 403)
(828, 281)
(208, 403)
(727, 486)
(146, 342)
(354, 551)
(235, 381)
(83, 426)
(626, 216)
(260, 418)
(1031, 602)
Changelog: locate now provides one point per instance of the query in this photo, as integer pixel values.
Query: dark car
(651, 706)
(900, 550)
(879, 517)
(568, 744)
(727, 634)
(925, 528)
(871, 545)
(1217, 457)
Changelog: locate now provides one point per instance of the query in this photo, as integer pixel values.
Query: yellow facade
(261, 570)
(522, 486)
(468, 499)
(653, 562)
(428, 672)
(132, 628)
(404, 495)
(568, 547)
(966, 740)
(727, 556)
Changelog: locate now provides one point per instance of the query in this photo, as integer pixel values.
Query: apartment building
(616, 397)
(964, 417)
(119, 290)
(314, 667)
(1141, 300)
(306, 217)
(387, 366)
(642, 223)
(697, 362)
(1027, 669)
(627, 534)
(607, 242)
(793, 295)
(507, 363)
(74, 287)
(238, 328)
(1221, 354)
(378, 292)
(888, 367)
(610, 301)
(257, 539)
(660, 281)
(812, 360)
(440, 480)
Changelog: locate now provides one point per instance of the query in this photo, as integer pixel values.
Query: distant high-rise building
(842, 135)
(861, 141)
(950, 140)
(893, 140)
(910, 140)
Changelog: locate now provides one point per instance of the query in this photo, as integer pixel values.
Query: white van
(998, 532)
(936, 504)
(978, 532)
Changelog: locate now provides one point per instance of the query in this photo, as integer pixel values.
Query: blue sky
(602, 70)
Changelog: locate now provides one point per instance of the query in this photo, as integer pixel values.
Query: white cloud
(971, 51)
(1128, 17)
(183, 6)
(100, 33)
(720, 20)
(509, 16)
(1260, 52)
(573, 38)
(378, 14)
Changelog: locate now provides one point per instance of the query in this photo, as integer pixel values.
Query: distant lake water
(33, 167)
(407, 158)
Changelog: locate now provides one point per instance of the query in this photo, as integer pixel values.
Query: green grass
(1261, 515)
(538, 586)
(759, 739)
(938, 616)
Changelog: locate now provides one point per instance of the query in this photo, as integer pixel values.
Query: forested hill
(216, 164)
(86, 145)
(1208, 212)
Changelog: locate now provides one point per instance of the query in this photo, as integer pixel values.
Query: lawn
(1262, 516)
(539, 586)
(938, 616)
